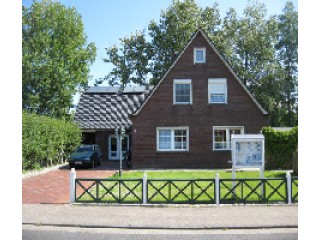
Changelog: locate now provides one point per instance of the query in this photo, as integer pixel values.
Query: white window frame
(195, 56)
(228, 136)
(172, 149)
(181, 81)
(218, 81)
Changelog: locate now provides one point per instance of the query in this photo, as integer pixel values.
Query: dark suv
(86, 156)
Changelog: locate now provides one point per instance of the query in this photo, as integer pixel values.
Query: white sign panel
(247, 151)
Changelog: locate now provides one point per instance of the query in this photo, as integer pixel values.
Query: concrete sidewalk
(162, 217)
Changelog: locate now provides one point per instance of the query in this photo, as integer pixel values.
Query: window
(199, 55)
(222, 137)
(173, 139)
(217, 90)
(182, 91)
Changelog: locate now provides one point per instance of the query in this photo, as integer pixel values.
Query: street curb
(150, 227)
(159, 205)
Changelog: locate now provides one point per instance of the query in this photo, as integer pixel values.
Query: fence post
(233, 182)
(144, 188)
(262, 183)
(289, 193)
(217, 189)
(73, 176)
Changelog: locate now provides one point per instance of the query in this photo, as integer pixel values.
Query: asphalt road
(31, 232)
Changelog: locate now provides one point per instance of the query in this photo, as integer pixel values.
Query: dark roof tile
(103, 108)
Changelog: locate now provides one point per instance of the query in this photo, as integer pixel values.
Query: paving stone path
(53, 187)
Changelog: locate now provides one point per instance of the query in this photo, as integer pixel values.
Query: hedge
(281, 147)
(47, 141)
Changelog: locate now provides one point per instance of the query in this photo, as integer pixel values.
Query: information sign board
(247, 151)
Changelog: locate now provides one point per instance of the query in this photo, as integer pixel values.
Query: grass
(210, 174)
(181, 191)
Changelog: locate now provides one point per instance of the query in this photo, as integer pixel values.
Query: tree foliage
(46, 140)
(287, 47)
(262, 51)
(131, 61)
(170, 35)
(55, 57)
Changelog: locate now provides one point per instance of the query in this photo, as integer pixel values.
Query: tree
(254, 52)
(250, 42)
(131, 61)
(288, 58)
(168, 38)
(55, 57)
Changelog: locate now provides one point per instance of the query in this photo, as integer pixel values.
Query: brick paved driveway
(53, 187)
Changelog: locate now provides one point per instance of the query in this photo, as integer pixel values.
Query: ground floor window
(222, 137)
(173, 139)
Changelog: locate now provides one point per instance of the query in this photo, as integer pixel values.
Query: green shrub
(280, 147)
(47, 141)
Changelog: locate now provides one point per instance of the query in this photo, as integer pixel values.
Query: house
(186, 121)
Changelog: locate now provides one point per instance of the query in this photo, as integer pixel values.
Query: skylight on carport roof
(129, 89)
(134, 89)
(103, 89)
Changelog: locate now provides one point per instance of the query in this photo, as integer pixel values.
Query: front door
(114, 147)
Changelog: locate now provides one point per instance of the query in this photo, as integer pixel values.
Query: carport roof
(109, 107)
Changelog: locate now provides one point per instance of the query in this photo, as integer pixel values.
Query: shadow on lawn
(277, 175)
(281, 175)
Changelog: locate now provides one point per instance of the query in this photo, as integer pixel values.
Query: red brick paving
(53, 187)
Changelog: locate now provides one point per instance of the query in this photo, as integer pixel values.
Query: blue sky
(106, 21)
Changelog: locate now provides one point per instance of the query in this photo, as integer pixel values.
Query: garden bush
(47, 141)
(281, 147)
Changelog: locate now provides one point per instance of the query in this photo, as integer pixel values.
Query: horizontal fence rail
(188, 191)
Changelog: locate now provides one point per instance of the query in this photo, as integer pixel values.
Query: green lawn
(210, 174)
(181, 190)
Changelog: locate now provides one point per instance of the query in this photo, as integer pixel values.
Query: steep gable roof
(200, 31)
(109, 107)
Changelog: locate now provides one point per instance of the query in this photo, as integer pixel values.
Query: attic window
(199, 55)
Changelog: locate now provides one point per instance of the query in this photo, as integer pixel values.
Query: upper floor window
(182, 91)
(217, 90)
(199, 55)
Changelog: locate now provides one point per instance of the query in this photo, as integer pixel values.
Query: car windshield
(85, 149)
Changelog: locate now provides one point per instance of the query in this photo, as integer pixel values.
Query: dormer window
(199, 55)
